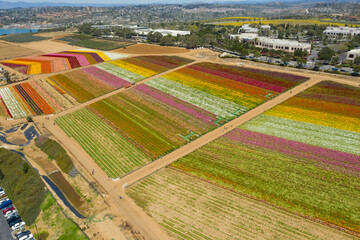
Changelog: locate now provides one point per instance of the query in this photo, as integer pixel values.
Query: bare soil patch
(48, 46)
(145, 49)
(10, 51)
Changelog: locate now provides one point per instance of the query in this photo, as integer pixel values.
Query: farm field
(308, 168)
(56, 62)
(161, 115)
(8, 51)
(141, 48)
(189, 208)
(88, 83)
(32, 98)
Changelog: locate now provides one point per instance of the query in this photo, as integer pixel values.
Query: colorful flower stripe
(208, 102)
(24, 105)
(326, 157)
(80, 58)
(177, 103)
(21, 91)
(326, 137)
(72, 88)
(148, 65)
(324, 106)
(249, 73)
(11, 103)
(238, 77)
(120, 72)
(18, 67)
(285, 76)
(166, 61)
(47, 96)
(4, 108)
(327, 119)
(224, 82)
(50, 63)
(43, 105)
(240, 98)
(134, 68)
(106, 77)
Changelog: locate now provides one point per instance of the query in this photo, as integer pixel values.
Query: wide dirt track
(126, 206)
(10, 51)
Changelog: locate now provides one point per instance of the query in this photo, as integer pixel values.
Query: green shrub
(55, 151)
(26, 191)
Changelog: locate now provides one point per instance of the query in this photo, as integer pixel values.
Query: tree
(300, 53)
(167, 40)
(29, 119)
(357, 61)
(85, 28)
(334, 60)
(154, 36)
(192, 41)
(326, 53)
(300, 61)
(286, 58)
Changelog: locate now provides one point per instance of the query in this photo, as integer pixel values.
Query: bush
(27, 191)
(55, 151)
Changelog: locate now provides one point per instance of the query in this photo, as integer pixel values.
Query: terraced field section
(162, 115)
(32, 98)
(189, 208)
(57, 62)
(88, 83)
(299, 157)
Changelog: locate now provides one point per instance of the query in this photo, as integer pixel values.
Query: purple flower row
(239, 78)
(296, 149)
(106, 77)
(177, 103)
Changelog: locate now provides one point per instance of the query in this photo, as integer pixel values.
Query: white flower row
(120, 72)
(211, 103)
(12, 104)
(327, 137)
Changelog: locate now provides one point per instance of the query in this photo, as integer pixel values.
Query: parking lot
(5, 231)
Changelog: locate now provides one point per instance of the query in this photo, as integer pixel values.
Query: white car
(9, 213)
(18, 226)
(3, 200)
(2, 193)
(26, 237)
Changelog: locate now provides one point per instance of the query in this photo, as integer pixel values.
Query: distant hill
(22, 4)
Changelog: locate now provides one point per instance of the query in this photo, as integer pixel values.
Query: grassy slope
(55, 222)
(27, 190)
(23, 37)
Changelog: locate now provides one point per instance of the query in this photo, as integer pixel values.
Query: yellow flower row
(316, 117)
(135, 68)
(101, 54)
(238, 97)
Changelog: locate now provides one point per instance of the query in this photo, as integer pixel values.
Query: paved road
(5, 232)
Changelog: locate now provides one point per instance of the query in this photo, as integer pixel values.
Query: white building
(271, 43)
(247, 29)
(352, 54)
(344, 32)
(164, 32)
(265, 27)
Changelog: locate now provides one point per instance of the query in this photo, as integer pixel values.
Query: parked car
(5, 204)
(26, 237)
(18, 225)
(13, 223)
(13, 214)
(24, 233)
(2, 192)
(355, 74)
(13, 218)
(8, 209)
(9, 213)
(3, 196)
(3, 200)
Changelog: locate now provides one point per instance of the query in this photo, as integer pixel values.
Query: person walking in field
(93, 171)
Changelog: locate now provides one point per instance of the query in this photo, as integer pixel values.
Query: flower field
(88, 83)
(189, 208)
(57, 62)
(223, 90)
(31, 98)
(165, 113)
(298, 156)
(326, 115)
